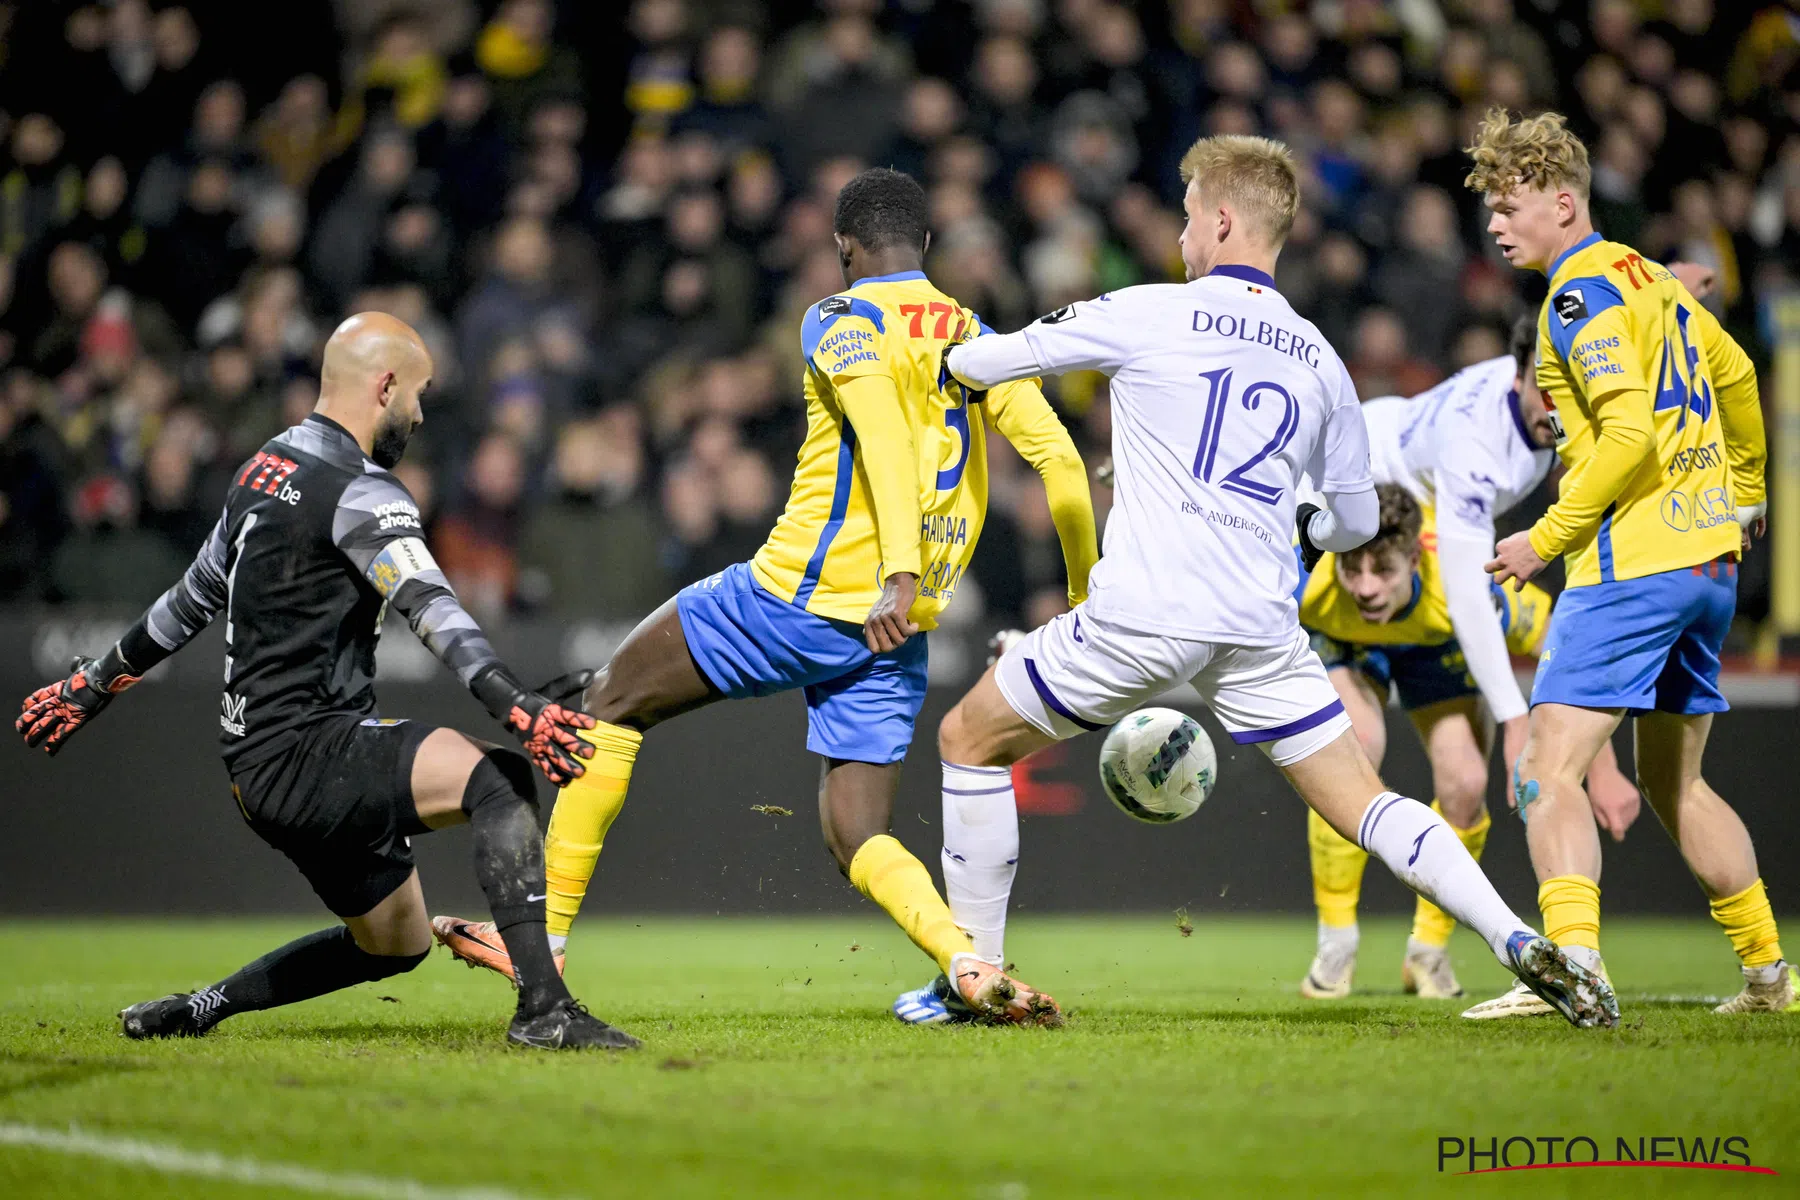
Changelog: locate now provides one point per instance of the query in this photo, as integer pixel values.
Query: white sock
(1421, 849)
(1344, 936)
(558, 941)
(981, 853)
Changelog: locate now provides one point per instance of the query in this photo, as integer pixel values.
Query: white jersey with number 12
(1222, 397)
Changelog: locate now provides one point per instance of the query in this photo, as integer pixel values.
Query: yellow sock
(1337, 871)
(1749, 922)
(1571, 907)
(1431, 924)
(584, 812)
(887, 873)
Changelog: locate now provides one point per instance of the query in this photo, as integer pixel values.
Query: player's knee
(502, 779)
(1461, 789)
(953, 743)
(612, 698)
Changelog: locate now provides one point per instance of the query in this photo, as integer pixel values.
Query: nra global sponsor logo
(1487, 1154)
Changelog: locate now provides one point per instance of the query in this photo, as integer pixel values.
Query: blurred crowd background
(607, 219)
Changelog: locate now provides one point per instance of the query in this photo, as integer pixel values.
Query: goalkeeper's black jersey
(315, 542)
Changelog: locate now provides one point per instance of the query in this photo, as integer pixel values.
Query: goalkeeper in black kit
(317, 540)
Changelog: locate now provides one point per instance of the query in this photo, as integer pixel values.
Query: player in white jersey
(1222, 396)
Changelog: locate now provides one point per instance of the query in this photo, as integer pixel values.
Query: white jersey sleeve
(1469, 483)
(1341, 462)
(1076, 337)
(1084, 336)
(1474, 452)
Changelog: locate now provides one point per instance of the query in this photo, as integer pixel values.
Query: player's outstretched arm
(1465, 527)
(1339, 467)
(377, 527)
(52, 714)
(889, 454)
(1024, 418)
(1076, 337)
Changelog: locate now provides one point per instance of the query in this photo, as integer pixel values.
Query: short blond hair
(1255, 175)
(1531, 152)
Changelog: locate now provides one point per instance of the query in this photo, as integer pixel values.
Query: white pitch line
(173, 1160)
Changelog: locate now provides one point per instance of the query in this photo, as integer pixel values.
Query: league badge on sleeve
(1571, 306)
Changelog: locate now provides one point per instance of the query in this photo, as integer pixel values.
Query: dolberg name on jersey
(1222, 397)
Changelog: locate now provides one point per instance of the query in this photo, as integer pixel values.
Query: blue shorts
(1648, 645)
(748, 642)
(1421, 674)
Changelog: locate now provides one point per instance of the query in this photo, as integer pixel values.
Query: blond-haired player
(1659, 425)
(1222, 397)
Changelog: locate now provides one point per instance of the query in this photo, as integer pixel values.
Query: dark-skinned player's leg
(856, 803)
(650, 678)
(856, 806)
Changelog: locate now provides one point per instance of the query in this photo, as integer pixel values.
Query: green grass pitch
(772, 1068)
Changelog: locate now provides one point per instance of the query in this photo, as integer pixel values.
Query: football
(1158, 765)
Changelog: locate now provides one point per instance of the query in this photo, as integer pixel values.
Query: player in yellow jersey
(886, 507)
(1379, 616)
(1660, 427)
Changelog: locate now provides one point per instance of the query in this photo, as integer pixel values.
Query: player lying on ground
(1222, 397)
(1665, 487)
(1379, 615)
(886, 507)
(317, 540)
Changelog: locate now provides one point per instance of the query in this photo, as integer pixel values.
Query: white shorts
(1076, 674)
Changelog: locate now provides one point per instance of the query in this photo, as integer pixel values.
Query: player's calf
(1418, 846)
(509, 862)
(314, 965)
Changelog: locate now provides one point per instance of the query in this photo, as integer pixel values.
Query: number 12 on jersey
(1212, 428)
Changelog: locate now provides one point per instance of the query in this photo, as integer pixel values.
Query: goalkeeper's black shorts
(338, 802)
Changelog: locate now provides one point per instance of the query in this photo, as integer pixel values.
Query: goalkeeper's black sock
(509, 862)
(306, 967)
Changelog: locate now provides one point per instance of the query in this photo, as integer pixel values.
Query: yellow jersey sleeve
(1525, 616)
(1023, 417)
(844, 337)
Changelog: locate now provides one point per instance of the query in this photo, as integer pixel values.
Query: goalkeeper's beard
(390, 441)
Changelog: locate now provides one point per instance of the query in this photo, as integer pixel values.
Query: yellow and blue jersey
(827, 554)
(1327, 608)
(1416, 650)
(1618, 328)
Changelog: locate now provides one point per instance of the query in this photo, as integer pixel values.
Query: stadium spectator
(108, 559)
(606, 221)
(592, 550)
